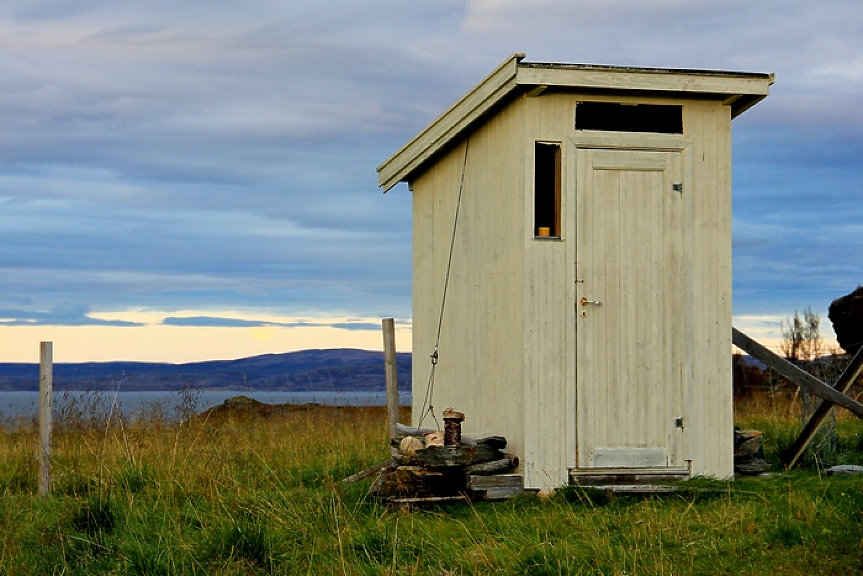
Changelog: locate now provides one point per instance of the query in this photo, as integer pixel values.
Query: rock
(748, 444)
(846, 314)
(546, 493)
(845, 470)
(752, 467)
(749, 452)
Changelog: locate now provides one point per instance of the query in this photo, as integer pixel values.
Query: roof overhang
(739, 90)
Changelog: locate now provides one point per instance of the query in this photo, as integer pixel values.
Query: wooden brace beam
(795, 374)
(848, 377)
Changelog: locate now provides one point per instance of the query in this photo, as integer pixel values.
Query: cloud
(222, 322)
(214, 321)
(221, 156)
(71, 316)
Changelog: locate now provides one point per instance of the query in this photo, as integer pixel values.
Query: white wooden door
(629, 332)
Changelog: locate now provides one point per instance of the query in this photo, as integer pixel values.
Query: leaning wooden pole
(46, 391)
(389, 332)
(795, 374)
(848, 377)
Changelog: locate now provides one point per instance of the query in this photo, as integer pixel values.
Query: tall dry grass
(248, 495)
(780, 416)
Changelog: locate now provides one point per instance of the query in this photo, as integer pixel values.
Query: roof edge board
(445, 127)
(741, 105)
(741, 90)
(645, 80)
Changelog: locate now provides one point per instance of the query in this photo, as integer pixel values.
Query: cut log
(409, 445)
(452, 420)
(494, 441)
(494, 466)
(498, 442)
(420, 433)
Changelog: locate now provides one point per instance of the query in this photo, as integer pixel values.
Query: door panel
(629, 382)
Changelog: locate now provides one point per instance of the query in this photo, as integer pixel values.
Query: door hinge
(677, 187)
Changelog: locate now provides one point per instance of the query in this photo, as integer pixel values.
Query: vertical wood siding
(711, 392)
(631, 227)
(508, 352)
(481, 355)
(548, 335)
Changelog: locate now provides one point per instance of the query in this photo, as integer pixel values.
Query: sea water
(25, 405)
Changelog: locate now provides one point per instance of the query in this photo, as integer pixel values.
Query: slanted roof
(739, 90)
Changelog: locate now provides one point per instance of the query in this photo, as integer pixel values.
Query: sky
(193, 180)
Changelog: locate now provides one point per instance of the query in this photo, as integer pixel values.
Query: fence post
(388, 326)
(46, 401)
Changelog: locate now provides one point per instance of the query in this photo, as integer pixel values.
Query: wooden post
(389, 330)
(848, 377)
(46, 389)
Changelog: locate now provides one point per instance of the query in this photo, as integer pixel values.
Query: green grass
(264, 497)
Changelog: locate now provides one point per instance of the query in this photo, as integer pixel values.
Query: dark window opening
(613, 117)
(546, 204)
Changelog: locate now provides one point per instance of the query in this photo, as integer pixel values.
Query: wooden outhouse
(572, 266)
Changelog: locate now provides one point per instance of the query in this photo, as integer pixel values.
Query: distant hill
(338, 369)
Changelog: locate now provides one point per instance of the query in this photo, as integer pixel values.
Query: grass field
(263, 495)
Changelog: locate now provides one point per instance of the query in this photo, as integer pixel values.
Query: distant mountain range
(339, 369)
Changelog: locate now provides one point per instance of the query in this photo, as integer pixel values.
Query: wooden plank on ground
(848, 377)
(369, 471)
(795, 374)
(496, 487)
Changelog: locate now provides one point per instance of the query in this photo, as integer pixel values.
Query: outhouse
(572, 266)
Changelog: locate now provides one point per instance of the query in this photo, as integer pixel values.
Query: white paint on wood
(482, 320)
(513, 341)
(628, 458)
(737, 90)
(630, 227)
(641, 79)
(451, 123)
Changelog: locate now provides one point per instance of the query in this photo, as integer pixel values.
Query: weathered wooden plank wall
(508, 346)
(481, 341)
